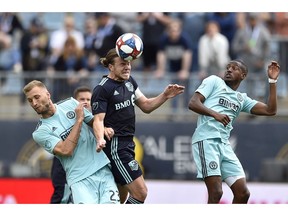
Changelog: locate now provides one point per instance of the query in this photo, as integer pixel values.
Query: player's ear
(48, 94)
(110, 67)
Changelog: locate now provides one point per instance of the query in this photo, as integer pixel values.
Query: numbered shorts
(99, 188)
(214, 158)
(120, 151)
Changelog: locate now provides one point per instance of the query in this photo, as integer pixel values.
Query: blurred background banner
(163, 149)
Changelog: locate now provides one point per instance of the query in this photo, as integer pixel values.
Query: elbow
(63, 149)
(146, 111)
(64, 153)
(272, 113)
(191, 105)
(67, 153)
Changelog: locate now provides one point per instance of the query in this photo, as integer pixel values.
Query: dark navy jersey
(117, 100)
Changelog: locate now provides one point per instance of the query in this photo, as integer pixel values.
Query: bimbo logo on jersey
(228, 104)
(66, 133)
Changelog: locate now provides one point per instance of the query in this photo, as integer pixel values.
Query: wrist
(272, 80)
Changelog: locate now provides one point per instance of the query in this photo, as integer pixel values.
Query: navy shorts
(120, 151)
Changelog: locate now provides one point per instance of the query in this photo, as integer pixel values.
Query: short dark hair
(81, 89)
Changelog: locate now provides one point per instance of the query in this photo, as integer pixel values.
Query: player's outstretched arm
(270, 108)
(147, 105)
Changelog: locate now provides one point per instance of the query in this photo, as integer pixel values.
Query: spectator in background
(5, 40)
(34, 51)
(194, 26)
(58, 37)
(277, 23)
(107, 33)
(175, 52)
(152, 27)
(213, 51)
(90, 35)
(11, 29)
(10, 23)
(227, 25)
(71, 69)
(281, 23)
(251, 44)
(5, 44)
(126, 20)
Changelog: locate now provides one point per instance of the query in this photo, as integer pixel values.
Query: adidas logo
(116, 92)
(54, 128)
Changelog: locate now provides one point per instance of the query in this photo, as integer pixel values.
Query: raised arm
(270, 108)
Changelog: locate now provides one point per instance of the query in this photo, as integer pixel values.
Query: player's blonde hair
(28, 87)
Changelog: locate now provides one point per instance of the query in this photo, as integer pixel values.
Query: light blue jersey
(85, 161)
(222, 99)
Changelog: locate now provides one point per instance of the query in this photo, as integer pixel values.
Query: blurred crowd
(69, 45)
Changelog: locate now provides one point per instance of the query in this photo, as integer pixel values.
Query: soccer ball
(129, 46)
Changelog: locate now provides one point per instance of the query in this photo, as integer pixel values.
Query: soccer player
(218, 103)
(62, 194)
(113, 101)
(63, 130)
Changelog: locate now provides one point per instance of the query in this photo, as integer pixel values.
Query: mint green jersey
(222, 99)
(85, 161)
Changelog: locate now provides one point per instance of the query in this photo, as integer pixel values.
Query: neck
(232, 85)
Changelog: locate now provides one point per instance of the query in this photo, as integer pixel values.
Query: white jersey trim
(138, 93)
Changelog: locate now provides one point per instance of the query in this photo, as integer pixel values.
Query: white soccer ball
(129, 46)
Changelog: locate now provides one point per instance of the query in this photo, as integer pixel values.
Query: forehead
(36, 90)
(240, 65)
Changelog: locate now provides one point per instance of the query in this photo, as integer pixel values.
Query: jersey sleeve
(138, 92)
(46, 139)
(207, 86)
(99, 100)
(248, 104)
(87, 116)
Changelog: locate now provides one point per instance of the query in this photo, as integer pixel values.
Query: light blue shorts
(214, 158)
(98, 188)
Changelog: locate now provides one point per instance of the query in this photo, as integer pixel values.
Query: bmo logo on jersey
(125, 103)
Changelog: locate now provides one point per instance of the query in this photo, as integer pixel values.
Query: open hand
(273, 70)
